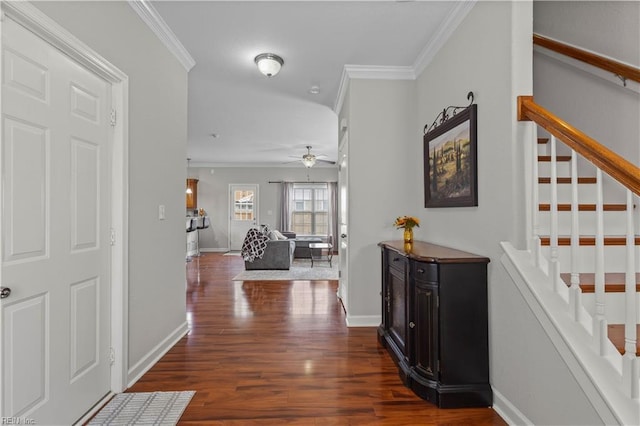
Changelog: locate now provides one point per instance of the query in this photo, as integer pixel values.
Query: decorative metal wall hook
(447, 113)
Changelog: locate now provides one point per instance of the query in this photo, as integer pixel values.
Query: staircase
(580, 270)
(578, 273)
(614, 214)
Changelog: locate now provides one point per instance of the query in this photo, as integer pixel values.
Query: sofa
(277, 255)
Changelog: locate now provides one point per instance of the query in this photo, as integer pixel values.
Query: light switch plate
(161, 215)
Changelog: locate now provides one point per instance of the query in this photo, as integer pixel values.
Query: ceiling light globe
(269, 64)
(308, 160)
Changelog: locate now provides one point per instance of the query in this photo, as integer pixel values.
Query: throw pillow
(276, 235)
(279, 235)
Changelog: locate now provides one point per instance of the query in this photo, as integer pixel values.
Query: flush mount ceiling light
(269, 64)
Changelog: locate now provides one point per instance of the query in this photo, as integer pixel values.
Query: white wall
(382, 129)
(602, 108)
(611, 28)
(157, 149)
(213, 195)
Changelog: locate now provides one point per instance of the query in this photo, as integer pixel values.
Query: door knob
(343, 235)
(4, 292)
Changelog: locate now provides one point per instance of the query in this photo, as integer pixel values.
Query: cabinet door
(425, 327)
(397, 307)
(192, 194)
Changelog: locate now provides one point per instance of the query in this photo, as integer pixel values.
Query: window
(310, 212)
(243, 205)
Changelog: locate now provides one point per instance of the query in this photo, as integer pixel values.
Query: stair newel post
(599, 319)
(535, 199)
(575, 292)
(554, 268)
(630, 362)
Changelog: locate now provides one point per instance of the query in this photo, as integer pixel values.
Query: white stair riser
(614, 306)
(614, 258)
(586, 193)
(563, 167)
(614, 222)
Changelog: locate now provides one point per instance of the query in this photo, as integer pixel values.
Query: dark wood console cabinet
(435, 322)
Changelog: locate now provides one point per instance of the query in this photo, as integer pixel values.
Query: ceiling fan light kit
(308, 160)
(269, 64)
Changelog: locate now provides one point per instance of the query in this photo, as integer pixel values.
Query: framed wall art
(450, 159)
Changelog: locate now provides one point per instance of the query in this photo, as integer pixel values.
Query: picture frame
(450, 161)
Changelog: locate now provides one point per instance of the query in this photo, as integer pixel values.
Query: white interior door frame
(40, 24)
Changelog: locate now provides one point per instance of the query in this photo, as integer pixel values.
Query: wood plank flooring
(279, 352)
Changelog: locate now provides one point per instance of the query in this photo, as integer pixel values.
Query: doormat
(144, 408)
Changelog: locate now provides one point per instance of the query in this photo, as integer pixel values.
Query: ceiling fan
(309, 159)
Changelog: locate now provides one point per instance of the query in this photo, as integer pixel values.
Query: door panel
(26, 377)
(55, 222)
(26, 159)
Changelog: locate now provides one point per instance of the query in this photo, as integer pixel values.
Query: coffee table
(319, 255)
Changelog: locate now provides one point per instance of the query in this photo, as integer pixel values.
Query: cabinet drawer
(396, 261)
(423, 271)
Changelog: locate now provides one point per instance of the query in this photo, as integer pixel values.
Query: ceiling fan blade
(325, 161)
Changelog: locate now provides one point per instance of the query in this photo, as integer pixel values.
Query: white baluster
(599, 320)
(630, 364)
(575, 292)
(554, 269)
(535, 201)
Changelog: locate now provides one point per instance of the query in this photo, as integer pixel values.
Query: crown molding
(342, 91)
(375, 72)
(369, 72)
(154, 21)
(442, 34)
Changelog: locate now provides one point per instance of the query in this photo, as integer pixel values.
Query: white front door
(55, 253)
(343, 203)
(243, 212)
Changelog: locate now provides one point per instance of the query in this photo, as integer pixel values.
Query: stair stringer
(600, 377)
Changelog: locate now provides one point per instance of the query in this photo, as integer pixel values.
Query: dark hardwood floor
(279, 352)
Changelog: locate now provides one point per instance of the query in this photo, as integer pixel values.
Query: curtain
(333, 212)
(285, 210)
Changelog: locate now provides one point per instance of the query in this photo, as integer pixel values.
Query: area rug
(300, 270)
(144, 408)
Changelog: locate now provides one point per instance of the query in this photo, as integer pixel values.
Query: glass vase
(408, 235)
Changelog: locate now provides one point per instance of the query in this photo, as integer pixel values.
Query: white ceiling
(265, 121)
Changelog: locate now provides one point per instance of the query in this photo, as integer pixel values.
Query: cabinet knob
(395, 259)
(420, 271)
(412, 324)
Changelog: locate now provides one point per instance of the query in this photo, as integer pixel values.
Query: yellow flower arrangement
(406, 222)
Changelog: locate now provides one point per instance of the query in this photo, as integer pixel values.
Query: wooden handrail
(618, 68)
(608, 161)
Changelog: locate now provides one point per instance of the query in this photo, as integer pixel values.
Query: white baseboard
(363, 320)
(508, 411)
(155, 354)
